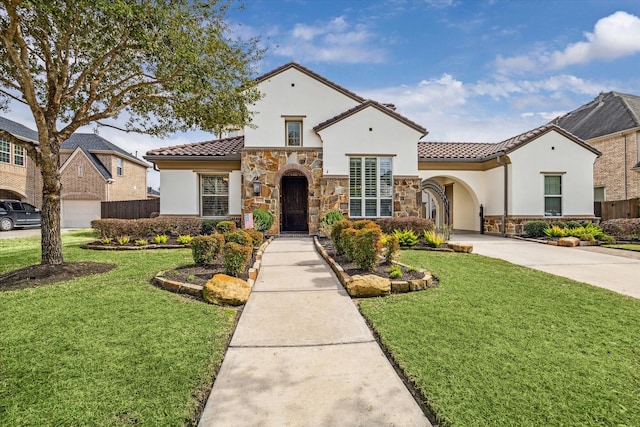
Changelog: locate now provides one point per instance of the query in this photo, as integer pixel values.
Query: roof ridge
(312, 74)
(634, 115)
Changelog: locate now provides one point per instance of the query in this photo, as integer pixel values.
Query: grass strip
(107, 349)
(500, 344)
(626, 246)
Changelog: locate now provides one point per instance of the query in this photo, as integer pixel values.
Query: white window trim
(201, 178)
(286, 130)
(558, 196)
(8, 153)
(363, 198)
(119, 166)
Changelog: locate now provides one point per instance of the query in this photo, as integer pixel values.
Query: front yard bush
(330, 218)
(262, 220)
(391, 247)
(226, 226)
(623, 228)
(555, 231)
(256, 236)
(235, 258)
(209, 226)
(535, 228)
(146, 227)
(206, 248)
(240, 237)
(367, 247)
(415, 224)
(336, 233)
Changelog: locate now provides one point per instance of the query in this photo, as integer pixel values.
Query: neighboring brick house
(92, 170)
(611, 124)
(314, 146)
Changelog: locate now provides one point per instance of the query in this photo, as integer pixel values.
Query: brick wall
(21, 182)
(131, 185)
(609, 169)
(81, 180)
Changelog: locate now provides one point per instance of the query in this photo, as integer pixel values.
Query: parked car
(14, 213)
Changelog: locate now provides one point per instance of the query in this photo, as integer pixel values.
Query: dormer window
(294, 133)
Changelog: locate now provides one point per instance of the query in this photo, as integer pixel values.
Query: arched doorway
(294, 202)
(437, 203)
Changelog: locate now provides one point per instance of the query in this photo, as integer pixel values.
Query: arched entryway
(294, 202)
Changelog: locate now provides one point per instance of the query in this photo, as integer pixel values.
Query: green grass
(626, 246)
(107, 349)
(498, 344)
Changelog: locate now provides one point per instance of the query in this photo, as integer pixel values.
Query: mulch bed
(41, 274)
(200, 274)
(382, 268)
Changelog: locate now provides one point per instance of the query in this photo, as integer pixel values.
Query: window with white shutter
(370, 187)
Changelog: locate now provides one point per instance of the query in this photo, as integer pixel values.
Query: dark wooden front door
(295, 195)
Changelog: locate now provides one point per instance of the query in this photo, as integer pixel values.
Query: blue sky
(479, 71)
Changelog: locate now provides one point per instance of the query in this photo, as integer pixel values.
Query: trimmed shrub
(240, 237)
(559, 224)
(406, 237)
(256, 237)
(262, 220)
(391, 245)
(336, 234)
(415, 224)
(205, 249)
(226, 226)
(209, 226)
(147, 227)
(347, 239)
(364, 223)
(535, 228)
(235, 258)
(366, 247)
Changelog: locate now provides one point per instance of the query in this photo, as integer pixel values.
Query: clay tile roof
(453, 150)
(362, 106)
(219, 147)
(312, 74)
(480, 152)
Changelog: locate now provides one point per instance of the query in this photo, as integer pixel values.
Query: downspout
(506, 194)
(625, 165)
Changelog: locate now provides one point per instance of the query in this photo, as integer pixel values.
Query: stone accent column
(407, 197)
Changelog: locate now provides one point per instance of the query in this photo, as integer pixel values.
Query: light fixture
(257, 187)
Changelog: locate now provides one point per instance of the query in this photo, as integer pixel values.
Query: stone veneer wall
(325, 192)
(515, 225)
(407, 197)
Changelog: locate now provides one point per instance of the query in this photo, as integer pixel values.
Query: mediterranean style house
(314, 146)
(92, 170)
(611, 124)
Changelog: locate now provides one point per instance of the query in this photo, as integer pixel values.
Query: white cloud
(614, 36)
(333, 41)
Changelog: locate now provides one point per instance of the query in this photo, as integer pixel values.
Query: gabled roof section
(369, 103)
(313, 75)
(18, 130)
(91, 143)
(480, 152)
(226, 148)
(79, 150)
(608, 113)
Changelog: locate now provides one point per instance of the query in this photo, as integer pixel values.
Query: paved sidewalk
(302, 354)
(618, 271)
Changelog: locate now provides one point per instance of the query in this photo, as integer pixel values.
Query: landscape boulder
(368, 285)
(461, 247)
(569, 241)
(226, 290)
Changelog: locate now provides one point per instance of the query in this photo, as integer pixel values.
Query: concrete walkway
(615, 270)
(302, 354)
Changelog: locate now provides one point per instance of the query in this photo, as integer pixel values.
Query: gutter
(506, 194)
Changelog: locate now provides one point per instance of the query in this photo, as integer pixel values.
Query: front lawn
(108, 349)
(500, 344)
(626, 246)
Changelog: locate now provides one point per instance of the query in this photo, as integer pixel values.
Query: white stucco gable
(370, 129)
(294, 92)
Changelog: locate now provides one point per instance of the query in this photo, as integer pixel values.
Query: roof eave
(155, 158)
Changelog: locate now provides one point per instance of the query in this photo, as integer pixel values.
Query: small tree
(166, 65)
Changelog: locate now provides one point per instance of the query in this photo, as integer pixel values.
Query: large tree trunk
(51, 242)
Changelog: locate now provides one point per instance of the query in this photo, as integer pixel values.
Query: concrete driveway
(612, 269)
(20, 232)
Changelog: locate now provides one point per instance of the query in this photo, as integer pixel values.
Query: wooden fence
(617, 209)
(130, 209)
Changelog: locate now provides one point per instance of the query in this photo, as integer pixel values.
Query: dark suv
(14, 213)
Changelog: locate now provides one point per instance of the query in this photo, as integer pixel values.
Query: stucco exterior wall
(293, 93)
(370, 132)
(179, 192)
(551, 154)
